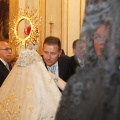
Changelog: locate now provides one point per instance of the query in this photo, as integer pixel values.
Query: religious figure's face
(100, 38)
(51, 53)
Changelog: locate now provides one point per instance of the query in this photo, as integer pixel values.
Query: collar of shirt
(81, 62)
(3, 61)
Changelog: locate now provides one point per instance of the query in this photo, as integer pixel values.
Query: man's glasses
(82, 47)
(7, 49)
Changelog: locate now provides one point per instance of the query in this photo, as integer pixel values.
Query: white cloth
(29, 92)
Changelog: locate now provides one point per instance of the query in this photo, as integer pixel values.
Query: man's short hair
(77, 41)
(74, 43)
(51, 40)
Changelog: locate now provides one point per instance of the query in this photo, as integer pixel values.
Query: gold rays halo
(28, 15)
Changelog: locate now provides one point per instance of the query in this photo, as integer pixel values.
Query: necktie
(52, 69)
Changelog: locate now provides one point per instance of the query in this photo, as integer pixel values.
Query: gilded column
(13, 11)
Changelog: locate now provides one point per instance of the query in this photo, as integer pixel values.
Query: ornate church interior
(61, 18)
(65, 63)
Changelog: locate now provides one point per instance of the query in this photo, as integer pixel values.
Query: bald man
(5, 54)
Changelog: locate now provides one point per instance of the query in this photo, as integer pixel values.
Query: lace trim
(28, 57)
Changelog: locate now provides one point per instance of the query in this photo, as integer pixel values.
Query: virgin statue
(29, 92)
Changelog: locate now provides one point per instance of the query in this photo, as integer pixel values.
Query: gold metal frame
(16, 27)
(34, 22)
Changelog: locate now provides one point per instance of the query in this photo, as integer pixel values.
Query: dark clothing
(83, 66)
(95, 94)
(3, 72)
(75, 62)
(65, 67)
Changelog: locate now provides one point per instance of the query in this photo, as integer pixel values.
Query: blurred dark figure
(5, 54)
(96, 44)
(100, 37)
(79, 50)
(95, 94)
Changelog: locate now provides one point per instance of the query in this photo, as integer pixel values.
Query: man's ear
(74, 51)
(60, 52)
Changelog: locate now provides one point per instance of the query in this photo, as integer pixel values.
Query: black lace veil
(94, 94)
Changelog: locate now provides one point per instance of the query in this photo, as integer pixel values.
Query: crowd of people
(61, 65)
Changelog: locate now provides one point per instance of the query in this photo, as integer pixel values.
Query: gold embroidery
(31, 109)
(8, 108)
(31, 55)
(18, 73)
(29, 89)
(44, 117)
(50, 80)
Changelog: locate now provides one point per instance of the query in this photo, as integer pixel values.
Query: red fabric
(27, 30)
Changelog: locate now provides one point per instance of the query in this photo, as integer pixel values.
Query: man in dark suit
(56, 62)
(5, 54)
(79, 50)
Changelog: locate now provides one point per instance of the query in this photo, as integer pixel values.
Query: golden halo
(34, 23)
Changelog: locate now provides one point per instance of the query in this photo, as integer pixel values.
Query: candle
(51, 19)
